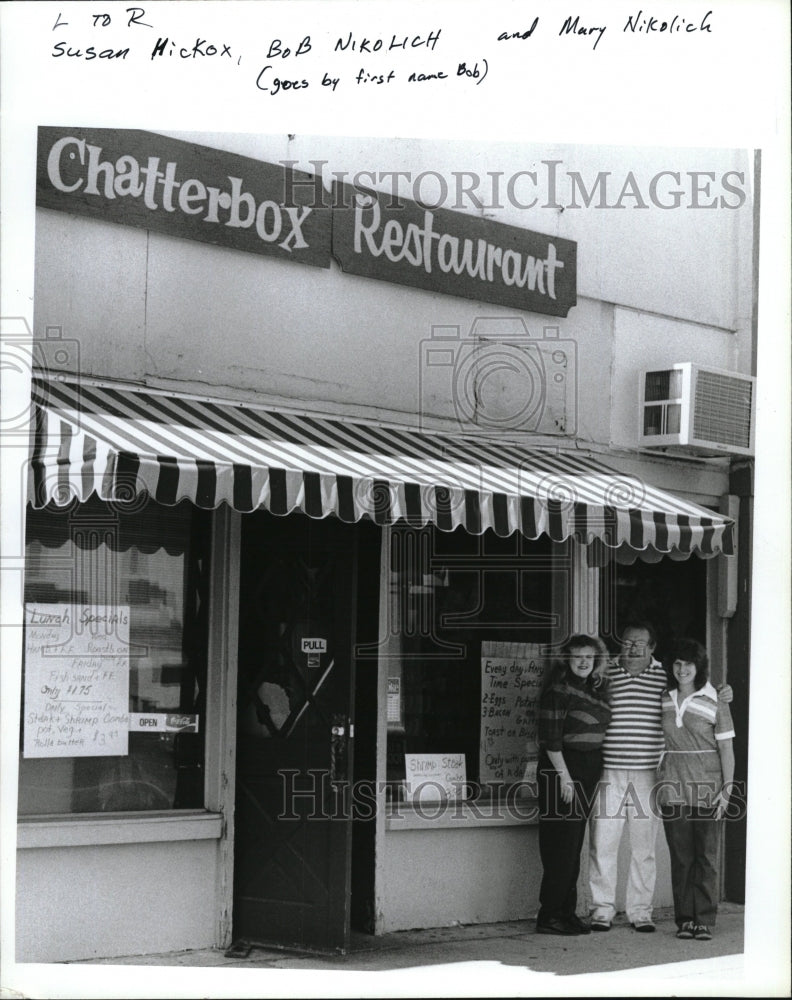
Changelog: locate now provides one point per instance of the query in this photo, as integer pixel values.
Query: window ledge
(117, 828)
(461, 815)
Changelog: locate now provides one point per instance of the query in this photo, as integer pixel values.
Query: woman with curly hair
(572, 719)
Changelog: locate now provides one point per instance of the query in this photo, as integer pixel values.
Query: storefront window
(468, 616)
(114, 711)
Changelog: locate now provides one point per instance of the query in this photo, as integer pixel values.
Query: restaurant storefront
(282, 655)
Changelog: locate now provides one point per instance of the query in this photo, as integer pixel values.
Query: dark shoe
(600, 925)
(686, 931)
(582, 926)
(554, 925)
(644, 926)
(702, 933)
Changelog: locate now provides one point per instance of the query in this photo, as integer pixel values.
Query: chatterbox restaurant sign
(178, 188)
(445, 251)
(194, 192)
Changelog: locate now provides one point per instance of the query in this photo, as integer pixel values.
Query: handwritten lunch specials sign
(76, 680)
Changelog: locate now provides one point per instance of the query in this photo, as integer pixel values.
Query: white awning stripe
(119, 443)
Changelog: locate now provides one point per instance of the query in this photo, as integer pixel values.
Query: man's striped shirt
(634, 738)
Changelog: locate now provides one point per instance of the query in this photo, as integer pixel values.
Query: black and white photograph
(395, 506)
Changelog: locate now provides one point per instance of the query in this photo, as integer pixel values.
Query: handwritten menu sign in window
(511, 678)
(76, 680)
(433, 777)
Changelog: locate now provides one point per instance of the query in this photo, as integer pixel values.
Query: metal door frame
(221, 682)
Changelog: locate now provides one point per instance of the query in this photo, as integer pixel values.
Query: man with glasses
(631, 752)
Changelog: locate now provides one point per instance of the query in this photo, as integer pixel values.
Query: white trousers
(624, 799)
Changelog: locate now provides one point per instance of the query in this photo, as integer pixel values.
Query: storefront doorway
(293, 827)
(671, 595)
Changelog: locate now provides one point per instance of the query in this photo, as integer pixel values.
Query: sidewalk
(482, 960)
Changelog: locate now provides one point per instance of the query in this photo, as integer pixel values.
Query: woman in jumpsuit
(695, 778)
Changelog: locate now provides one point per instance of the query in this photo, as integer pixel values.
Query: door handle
(338, 749)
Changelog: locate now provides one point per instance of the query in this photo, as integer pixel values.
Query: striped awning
(120, 443)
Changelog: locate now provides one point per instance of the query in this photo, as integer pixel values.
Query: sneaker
(598, 924)
(643, 926)
(686, 931)
(702, 933)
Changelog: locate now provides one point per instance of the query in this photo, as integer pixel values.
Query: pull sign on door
(313, 648)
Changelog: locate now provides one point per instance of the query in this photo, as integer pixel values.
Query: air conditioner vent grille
(722, 409)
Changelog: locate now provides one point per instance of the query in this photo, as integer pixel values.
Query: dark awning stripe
(661, 530)
(167, 487)
(638, 535)
(581, 522)
(685, 533)
(413, 507)
(443, 507)
(125, 481)
(346, 501)
(500, 513)
(242, 488)
(472, 512)
(556, 526)
(278, 495)
(528, 524)
(313, 495)
(381, 501)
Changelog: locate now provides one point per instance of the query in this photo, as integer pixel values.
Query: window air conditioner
(698, 408)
